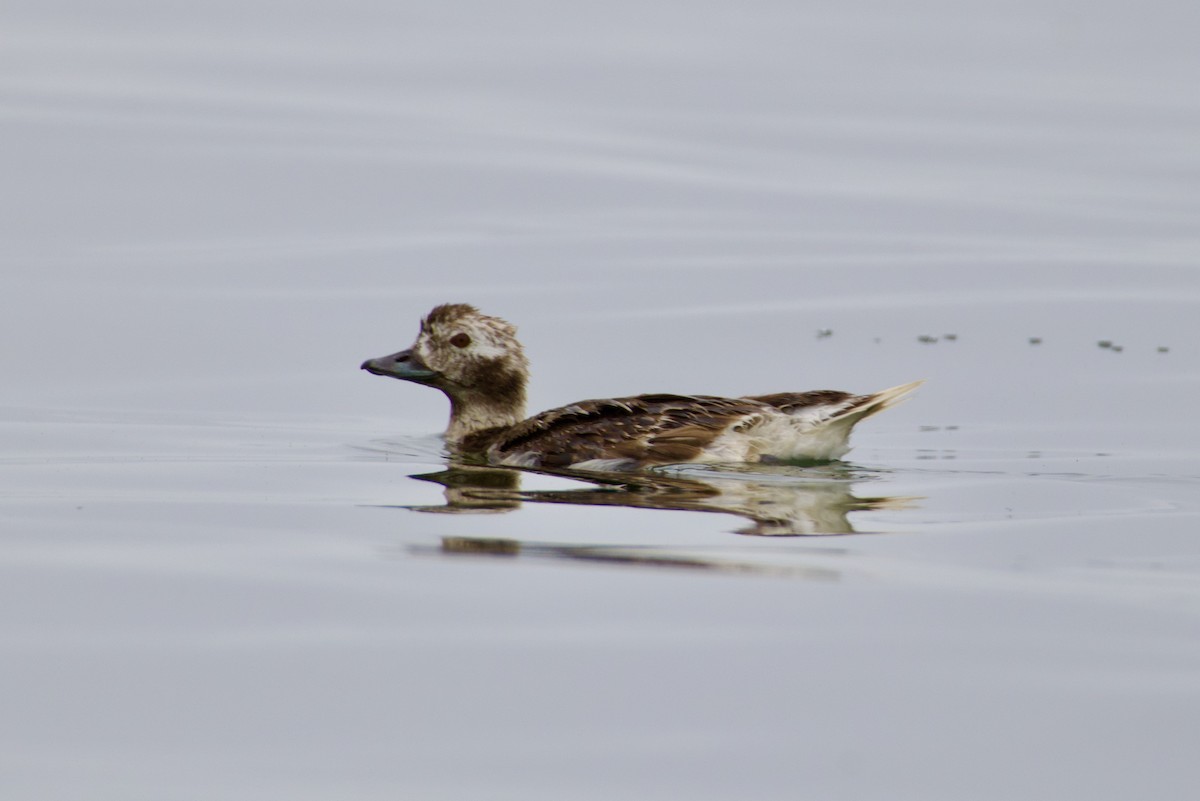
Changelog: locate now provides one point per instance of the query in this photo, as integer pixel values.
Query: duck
(477, 361)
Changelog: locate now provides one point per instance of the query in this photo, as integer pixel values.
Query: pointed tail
(877, 402)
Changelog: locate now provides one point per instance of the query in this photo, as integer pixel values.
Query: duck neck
(471, 413)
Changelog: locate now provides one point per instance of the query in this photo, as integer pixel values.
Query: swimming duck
(478, 363)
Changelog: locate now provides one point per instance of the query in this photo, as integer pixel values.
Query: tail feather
(877, 402)
(821, 421)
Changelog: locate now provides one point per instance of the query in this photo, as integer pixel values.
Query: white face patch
(483, 344)
(489, 339)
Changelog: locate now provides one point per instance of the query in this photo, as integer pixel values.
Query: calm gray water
(220, 578)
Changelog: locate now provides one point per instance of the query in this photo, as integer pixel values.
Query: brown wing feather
(646, 429)
(791, 401)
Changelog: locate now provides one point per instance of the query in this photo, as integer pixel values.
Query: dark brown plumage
(646, 429)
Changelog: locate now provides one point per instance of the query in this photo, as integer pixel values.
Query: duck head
(474, 359)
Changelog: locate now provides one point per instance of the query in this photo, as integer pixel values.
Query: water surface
(234, 566)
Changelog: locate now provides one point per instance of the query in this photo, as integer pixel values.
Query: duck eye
(460, 340)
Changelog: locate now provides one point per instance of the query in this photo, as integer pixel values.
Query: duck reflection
(777, 500)
(633, 556)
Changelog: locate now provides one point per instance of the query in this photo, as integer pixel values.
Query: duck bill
(404, 365)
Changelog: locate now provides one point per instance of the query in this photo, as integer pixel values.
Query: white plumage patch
(777, 435)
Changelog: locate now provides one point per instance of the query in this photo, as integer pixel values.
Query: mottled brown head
(473, 358)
